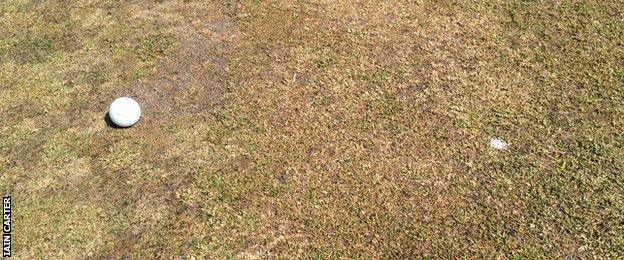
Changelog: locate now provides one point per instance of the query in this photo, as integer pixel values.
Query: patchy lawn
(316, 129)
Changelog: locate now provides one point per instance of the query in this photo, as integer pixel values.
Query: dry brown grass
(316, 129)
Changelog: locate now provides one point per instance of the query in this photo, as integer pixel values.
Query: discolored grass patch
(316, 129)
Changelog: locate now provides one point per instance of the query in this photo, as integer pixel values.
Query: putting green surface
(316, 129)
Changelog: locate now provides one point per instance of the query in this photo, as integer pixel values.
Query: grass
(318, 129)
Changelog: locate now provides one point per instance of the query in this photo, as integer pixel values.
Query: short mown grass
(315, 129)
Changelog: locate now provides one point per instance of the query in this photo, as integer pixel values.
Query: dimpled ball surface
(124, 111)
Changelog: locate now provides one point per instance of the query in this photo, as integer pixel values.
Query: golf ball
(124, 111)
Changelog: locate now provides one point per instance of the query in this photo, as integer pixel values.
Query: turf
(314, 129)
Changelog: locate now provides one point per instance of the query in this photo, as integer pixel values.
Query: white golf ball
(124, 111)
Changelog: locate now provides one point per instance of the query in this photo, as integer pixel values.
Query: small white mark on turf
(498, 144)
